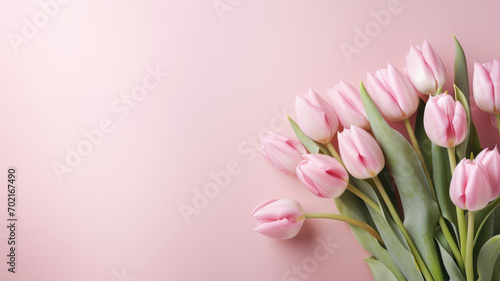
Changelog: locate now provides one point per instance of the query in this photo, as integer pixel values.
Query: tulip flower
(281, 219)
(323, 175)
(445, 121)
(361, 153)
(283, 152)
(470, 187)
(347, 104)
(316, 118)
(425, 69)
(393, 93)
(486, 86)
(490, 159)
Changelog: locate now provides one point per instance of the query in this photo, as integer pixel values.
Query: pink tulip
(316, 118)
(361, 153)
(393, 93)
(283, 152)
(425, 69)
(280, 219)
(323, 175)
(493, 121)
(347, 104)
(445, 121)
(470, 187)
(490, 159)
(486, 85)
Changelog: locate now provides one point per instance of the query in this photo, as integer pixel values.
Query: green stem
(364, 197)
(462, 228)
(469, 262)
(399, 223)
(497, 117)
(453, 159)
(348, 220)
(451, 242)
(334, 152)
(415, 145)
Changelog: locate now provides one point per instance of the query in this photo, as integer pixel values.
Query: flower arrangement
(444, 229)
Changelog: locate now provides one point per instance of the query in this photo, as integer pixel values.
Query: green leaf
(442, 179)
(421, 211)
(482, 216)
(393, 238)
(447, 255)
(311, 146)
(461, 75)
(423, 140)
(488, 258)
(379, 271)
(351, 206)
(471, 143)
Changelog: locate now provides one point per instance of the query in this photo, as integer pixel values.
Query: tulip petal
(478, 190)
(312, 121)
(459, 124)
(280, 229)
(403, 92)
(458, 185)
(419, 72)
(434, 63)
(483, 88)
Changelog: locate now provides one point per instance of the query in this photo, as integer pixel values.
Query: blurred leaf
(393, 238)
(311, 146)
(423, 140)
(421, 211)
(442, 178)
(447, 255)
(488, 258)
(379, 271)
(351, 206)
(461, 86)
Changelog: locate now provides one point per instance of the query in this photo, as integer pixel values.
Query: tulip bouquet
(424, 208)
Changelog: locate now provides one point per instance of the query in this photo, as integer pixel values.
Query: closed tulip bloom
(470, 187)
(283, 152)
(280, 219)
(316, 118)
(393, 93)
(347, 103)
(486, 86)
(323, 175)
(361, 153)
(445, 121)
(490, 159)
(425, 69)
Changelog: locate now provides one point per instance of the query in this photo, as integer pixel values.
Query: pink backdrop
(161, 97)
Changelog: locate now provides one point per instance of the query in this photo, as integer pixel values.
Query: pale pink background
(119, 209)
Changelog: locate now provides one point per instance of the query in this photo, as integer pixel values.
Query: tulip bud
(361, 153)
(323, 175)
(347, 104)
(393, 93)
(490, 159)
(470, 187)
(425, 69)
(280, 219)
(445, 121)
(283, 152)
(316, 118)
(486, 86)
